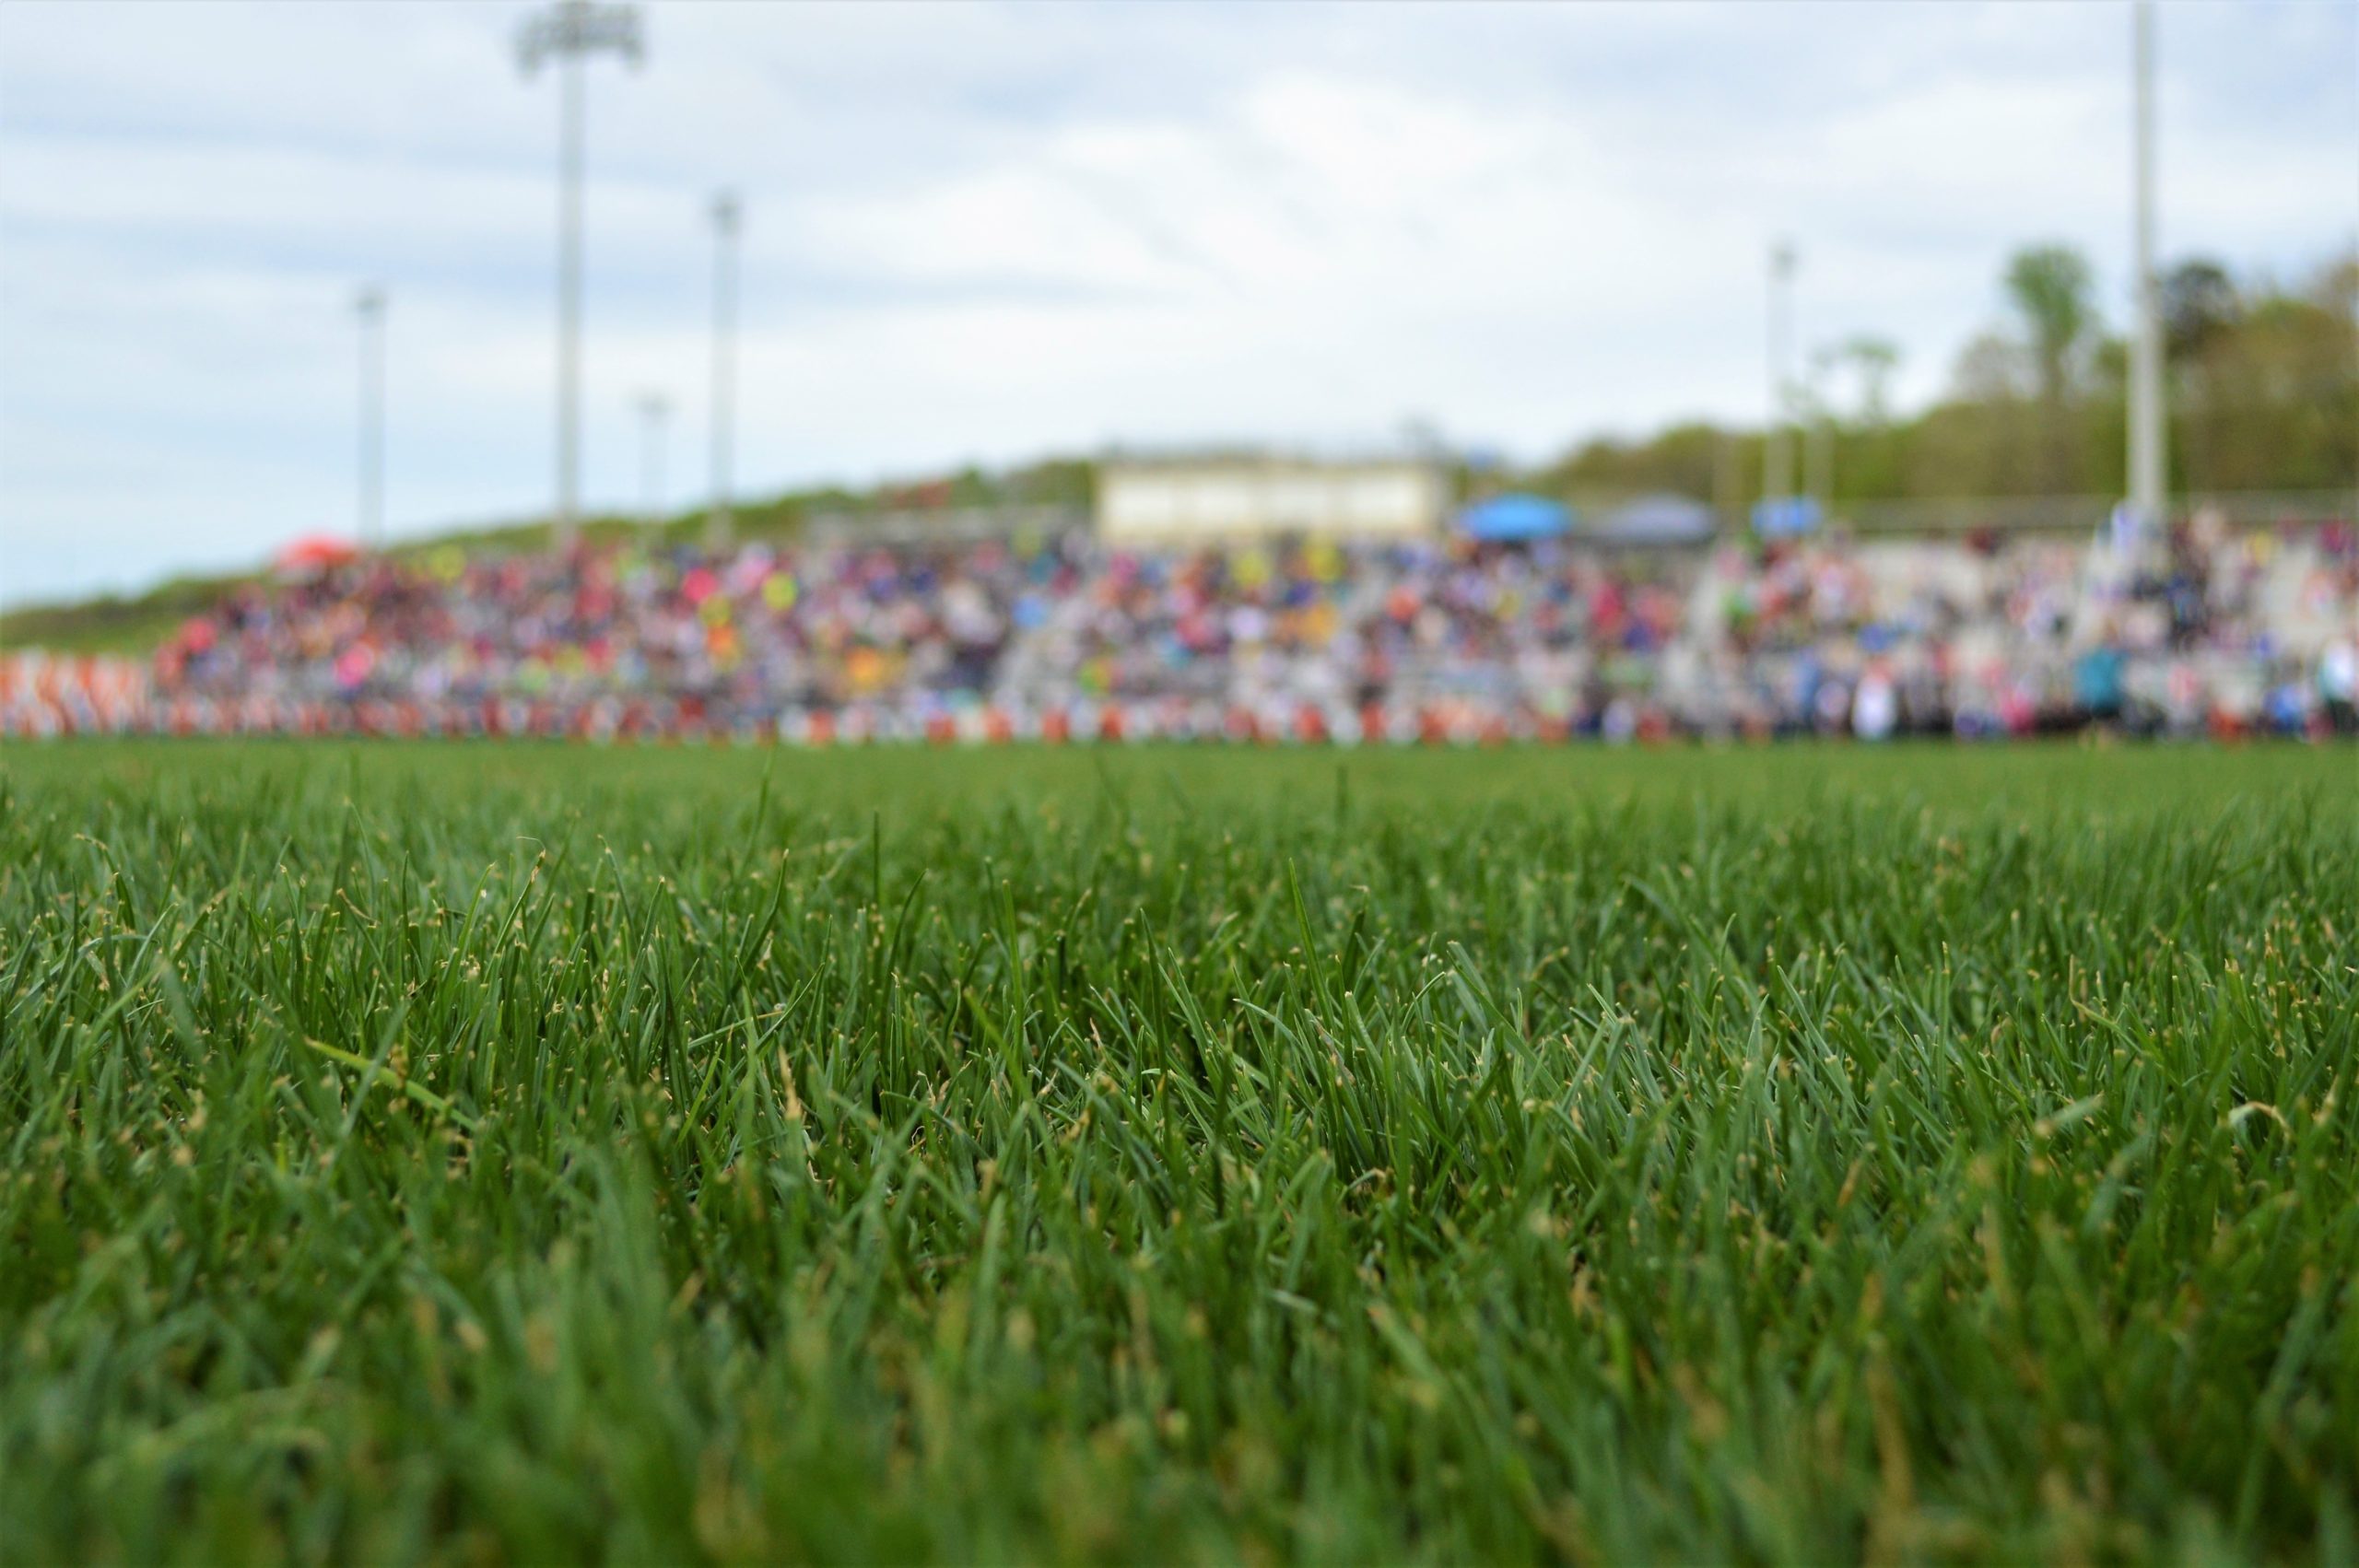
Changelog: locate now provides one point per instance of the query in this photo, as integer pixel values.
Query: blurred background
(278, 277)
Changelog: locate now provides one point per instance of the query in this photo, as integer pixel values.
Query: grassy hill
(136, 623)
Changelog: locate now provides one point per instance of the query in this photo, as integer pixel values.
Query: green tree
(2049, 288)
(2199, 303)
(1872, 360)
(2200, 314)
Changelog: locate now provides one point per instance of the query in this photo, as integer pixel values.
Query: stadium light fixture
(726, 220)
(567, 34)
(368, 306)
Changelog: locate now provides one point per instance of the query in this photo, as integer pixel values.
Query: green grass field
(541, 1155)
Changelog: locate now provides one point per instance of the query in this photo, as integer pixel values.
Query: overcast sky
(990, 232)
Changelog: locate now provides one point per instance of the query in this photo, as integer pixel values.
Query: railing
(2079, 514)
(951, 524)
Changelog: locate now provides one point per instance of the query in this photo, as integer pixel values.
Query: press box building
(1213, 499)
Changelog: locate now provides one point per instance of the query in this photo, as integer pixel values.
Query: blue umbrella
(1514, 517)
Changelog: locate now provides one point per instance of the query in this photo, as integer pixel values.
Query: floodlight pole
(2149, 482)
(568, 32)
(1818, 450)
(1777, 460)
(654, 408)
(726, 216)
(369, 305)
(1818, 461)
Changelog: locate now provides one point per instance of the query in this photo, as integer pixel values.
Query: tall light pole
(1818, 447)
(1728, 483)
(1777, 460)
(725, 222)
(2148, 484)
(569, 32)
(369, 305)
(654, 408)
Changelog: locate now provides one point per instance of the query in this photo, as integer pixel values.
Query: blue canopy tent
(1658, 519)
(1785, 519)
(1506, 518)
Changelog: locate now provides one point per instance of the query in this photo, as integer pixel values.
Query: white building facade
(1182, 501)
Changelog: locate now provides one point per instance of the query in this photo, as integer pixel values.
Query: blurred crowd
(2205, 632)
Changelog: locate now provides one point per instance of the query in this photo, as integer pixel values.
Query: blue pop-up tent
(1504, 518)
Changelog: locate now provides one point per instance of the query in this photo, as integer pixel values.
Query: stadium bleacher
(1053, 635)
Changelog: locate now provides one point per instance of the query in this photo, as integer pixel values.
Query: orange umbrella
(315, 553)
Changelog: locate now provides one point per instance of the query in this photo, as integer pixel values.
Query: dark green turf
(539, 1154)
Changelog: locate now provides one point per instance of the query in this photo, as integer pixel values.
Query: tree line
(2263, 392)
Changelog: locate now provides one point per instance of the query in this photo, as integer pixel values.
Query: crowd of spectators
(2207, 632)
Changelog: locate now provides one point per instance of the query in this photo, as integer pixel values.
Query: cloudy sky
(987, 232)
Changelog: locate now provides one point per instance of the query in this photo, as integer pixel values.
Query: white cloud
(990, 231)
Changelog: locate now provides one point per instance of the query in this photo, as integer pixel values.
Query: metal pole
(1777, 460)
(369, 304)
(653, 408)
(2149, 485)
(1820, 455)
(725, 215)
(567, 522)
(568, 31)
(1728, 489)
